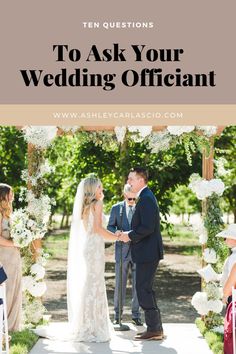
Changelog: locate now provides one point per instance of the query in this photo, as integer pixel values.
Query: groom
(146, 250)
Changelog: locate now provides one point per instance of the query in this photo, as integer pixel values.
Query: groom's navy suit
(147, 251)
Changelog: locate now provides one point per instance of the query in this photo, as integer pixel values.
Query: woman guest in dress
(228, 281)
(10, 259)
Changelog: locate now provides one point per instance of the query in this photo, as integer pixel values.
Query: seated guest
(3, 277)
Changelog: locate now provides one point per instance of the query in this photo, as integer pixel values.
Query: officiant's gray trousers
(135, 305)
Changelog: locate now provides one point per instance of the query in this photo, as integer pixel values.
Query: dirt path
(175, 283)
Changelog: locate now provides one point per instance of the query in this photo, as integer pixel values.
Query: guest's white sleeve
(225, 273)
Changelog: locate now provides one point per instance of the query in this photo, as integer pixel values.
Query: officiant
(120, 219)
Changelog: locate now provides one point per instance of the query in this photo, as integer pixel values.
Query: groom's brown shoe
(157, 335)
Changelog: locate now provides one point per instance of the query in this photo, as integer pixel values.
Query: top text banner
(123, 52)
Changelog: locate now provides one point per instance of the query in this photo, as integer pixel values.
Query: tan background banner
(117, 115)
(204, 29)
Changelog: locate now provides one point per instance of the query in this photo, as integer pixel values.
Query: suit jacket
(120, 222)
(146, 245)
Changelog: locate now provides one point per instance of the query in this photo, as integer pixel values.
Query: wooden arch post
(36, 244)
(208, 174)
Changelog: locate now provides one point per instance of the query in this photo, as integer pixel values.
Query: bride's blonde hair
(91, 183)
(5, 204)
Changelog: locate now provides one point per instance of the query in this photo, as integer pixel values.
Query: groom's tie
(130, 214)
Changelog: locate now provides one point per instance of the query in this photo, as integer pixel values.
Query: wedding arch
(29, 224)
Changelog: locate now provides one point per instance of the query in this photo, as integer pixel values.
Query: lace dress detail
(94, 323)
(90, 322)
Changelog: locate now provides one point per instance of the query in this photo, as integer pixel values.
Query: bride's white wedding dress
(92, 322)
(88, 311)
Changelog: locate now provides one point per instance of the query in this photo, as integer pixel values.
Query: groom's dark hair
(142, 172)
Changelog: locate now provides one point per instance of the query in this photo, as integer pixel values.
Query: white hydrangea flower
(209, 255)
(38, 271)
(208, 274)
(27, 282)
(215, 306)
(217, 186)
(203, 238)
(203, 191)
(200, 303)
(203, 188)
(120, 134)
(179, 130)
(37, 289)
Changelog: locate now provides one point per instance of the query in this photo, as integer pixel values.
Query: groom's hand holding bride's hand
(124, 237)
(118, 234)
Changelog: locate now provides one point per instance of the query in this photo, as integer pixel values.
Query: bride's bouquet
(24, 229)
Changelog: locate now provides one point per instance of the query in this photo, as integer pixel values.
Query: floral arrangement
(208, 302)
(30, 223)
(40, 136)
(138, 133)
(192, 137)
(25, 229)
(203, 188)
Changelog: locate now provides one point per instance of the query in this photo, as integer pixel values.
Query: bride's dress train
(87, 300)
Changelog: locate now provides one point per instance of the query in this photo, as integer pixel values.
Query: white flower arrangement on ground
(203, 188)
(40, 136)
(34, 311)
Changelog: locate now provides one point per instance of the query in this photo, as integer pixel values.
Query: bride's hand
(118, 234)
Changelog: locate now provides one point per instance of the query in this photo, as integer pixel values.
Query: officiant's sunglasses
(129, 199)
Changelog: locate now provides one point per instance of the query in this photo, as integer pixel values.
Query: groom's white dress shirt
(138, 194)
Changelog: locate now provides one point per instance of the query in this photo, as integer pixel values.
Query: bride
(88, 311)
